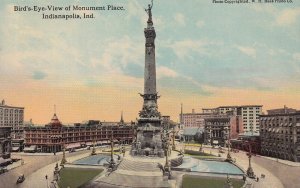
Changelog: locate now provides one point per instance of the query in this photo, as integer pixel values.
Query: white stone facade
(11, 116)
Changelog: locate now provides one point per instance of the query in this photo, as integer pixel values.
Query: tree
(199, 137)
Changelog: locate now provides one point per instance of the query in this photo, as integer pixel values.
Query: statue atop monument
(149, 11)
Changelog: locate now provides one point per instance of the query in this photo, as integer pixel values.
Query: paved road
(32, 164)
(278, 175)
(288, 175)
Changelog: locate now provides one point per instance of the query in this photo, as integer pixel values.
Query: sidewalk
(290, 163)
(38, 179)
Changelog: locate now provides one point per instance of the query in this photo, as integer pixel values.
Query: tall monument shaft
(150, 95)
(150, 70)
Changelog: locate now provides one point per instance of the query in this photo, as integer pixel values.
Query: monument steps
(125, 181)
(138, 166)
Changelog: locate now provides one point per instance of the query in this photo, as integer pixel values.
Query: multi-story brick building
(13, 117)
(280, 134)
(193, 119)
(54, 136)
(213, 123)
(250, 115)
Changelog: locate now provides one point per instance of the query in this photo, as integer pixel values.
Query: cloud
(296, 56)
(179, 19)
(38, 75)
(118, 53)
(200, 23)
(285, 17)
(288, 17)
(264, 8)
(166, 72)
(248, 51)
(184, 48)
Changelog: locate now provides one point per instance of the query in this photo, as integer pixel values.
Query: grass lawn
(75, 177)
(190, 181)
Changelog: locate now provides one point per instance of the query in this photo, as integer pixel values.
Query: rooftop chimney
(285, 109)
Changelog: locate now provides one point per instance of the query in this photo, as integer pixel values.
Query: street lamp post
(229, 158)
(112, 162)
(167, 169)
(63, 160)
(173, 146)
(93, 150)
(250, 172)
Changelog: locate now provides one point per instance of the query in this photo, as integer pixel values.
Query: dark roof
(190, 131)
(11, 106)
(274, 115)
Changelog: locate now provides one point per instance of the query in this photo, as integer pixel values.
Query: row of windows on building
(10, 110)
(251, 108)
(280, 119)
(245, 115)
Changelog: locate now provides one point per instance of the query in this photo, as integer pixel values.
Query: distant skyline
(207, 55)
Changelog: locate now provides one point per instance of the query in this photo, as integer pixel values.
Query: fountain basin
(209, 166)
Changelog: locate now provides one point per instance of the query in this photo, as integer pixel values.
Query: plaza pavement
(278, 174)
(38, 180)
(33, 163)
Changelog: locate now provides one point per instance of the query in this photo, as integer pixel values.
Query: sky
(207, 55)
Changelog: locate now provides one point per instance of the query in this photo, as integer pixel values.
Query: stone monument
(148, 140)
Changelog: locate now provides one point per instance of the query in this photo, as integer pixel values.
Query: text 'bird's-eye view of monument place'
(226, 145)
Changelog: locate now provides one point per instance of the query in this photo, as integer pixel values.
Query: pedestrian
(257, 179)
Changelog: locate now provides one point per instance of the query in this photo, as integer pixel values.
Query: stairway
(138, 166)
(116, 180)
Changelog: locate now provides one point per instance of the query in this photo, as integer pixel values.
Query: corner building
(280, 134)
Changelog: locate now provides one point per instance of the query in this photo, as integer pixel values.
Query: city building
(54, 136)
(13, 117)
(247, 142)
(193, 119)
(5, 142)
(214, 121)
(284, 110)
(219, 129)
(280, 134)
(249, 113)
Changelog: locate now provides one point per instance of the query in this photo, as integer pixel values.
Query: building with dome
(54, 136)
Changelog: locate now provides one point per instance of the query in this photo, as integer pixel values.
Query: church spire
(181, 115)
(122, 120)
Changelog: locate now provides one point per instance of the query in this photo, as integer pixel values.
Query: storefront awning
(73, 145)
